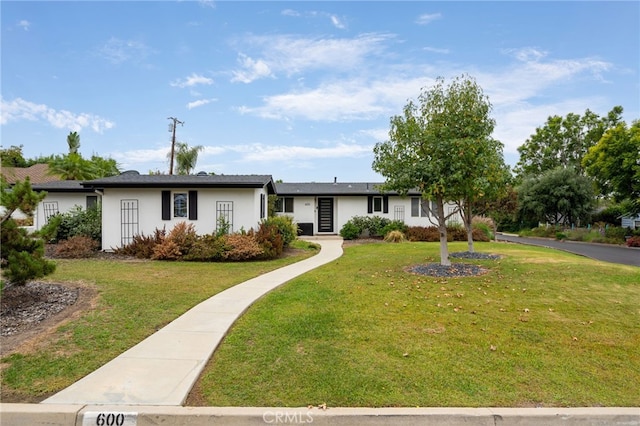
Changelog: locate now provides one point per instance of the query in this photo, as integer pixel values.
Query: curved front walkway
(161, 369)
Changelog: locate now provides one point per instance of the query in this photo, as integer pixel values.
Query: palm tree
(72, 167)
(73, 140)
(186, 158)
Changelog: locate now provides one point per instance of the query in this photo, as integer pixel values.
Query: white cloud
(19, 109)
(198, 103)
(251, 70)
(24, 24)
(192, 80)
(337, 22)
(435, 50)
(427, 18)
(341, 101)
(292, 55)
(117, 51)
(262, 153)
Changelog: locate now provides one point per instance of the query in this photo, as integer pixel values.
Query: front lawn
(135, 299)
(541, 328)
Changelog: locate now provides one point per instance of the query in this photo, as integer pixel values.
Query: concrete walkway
(162, 369)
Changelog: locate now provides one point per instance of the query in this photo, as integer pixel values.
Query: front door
(325, 214)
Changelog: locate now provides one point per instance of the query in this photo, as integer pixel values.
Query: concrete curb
(107, 415)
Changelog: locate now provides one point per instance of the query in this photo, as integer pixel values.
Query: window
(284, 205)
(262, 206)
(92, 201)
(419, 207)
(377, 204)
(185, 204)
(50, 209)
(180, 204)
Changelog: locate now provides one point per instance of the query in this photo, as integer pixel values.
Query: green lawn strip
(541, 328)
(135, 300)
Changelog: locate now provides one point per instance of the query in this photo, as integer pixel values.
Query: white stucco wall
(246, 211)
(305, 210)
(66, 202)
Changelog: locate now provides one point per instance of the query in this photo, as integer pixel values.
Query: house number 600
(109, 419)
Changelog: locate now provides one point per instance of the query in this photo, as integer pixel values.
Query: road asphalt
(605, 252)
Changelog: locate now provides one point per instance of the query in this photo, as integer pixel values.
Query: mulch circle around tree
(455, 269)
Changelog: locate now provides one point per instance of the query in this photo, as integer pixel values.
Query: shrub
(456, 232)
(633, 241)
(80, 222)
(561, 236)
(77, 247)
(242, 247)
(142, 245)
(286, 227)
(166, 250)
(207, 248)
(22, 257)
(183, 235)
(49, 232)
(394, 237)
(350, 231)
(484, 224)
(270, 239)
(479, 235)
(422, 233)
(615, 234)
(395, 225)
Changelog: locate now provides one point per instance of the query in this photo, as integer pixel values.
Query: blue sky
(298, 90)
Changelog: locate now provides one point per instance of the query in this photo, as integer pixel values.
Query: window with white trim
(419, 207)
(180, 204)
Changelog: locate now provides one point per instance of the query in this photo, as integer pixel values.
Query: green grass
(363, 332)
(542, 328)
(135, 299)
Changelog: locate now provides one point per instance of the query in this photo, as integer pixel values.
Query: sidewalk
(161, 369)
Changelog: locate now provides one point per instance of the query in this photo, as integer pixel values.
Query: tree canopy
(186, 157)
(614, 163)
(564, 141)
(442, 146)
(561, 196)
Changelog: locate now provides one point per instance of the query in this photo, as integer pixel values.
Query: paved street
(604, 252)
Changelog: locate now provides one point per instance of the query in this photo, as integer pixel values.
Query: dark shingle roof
(61, 186)
(338, 188)
(134, 180)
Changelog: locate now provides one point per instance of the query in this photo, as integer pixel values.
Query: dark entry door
(325, 214)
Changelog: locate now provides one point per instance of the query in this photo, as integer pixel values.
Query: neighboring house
(324, 208)
(631, 222)
(62, 197)
(134, 204)
(37, 174)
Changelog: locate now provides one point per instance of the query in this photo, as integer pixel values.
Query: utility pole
(172, 128)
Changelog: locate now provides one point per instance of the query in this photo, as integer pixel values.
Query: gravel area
(23, 307)
(454, 270)
(473, 255)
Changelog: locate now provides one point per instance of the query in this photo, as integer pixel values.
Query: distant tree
(558, 197)
(12, 157)
(73, 141)
(104, 167)
(186, 157)
(22, 255)
(72, 167)
(564, 141)
(431, 147)
(614, 163)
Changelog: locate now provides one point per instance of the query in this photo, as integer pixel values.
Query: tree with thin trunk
(438, 147)
(73, 141)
